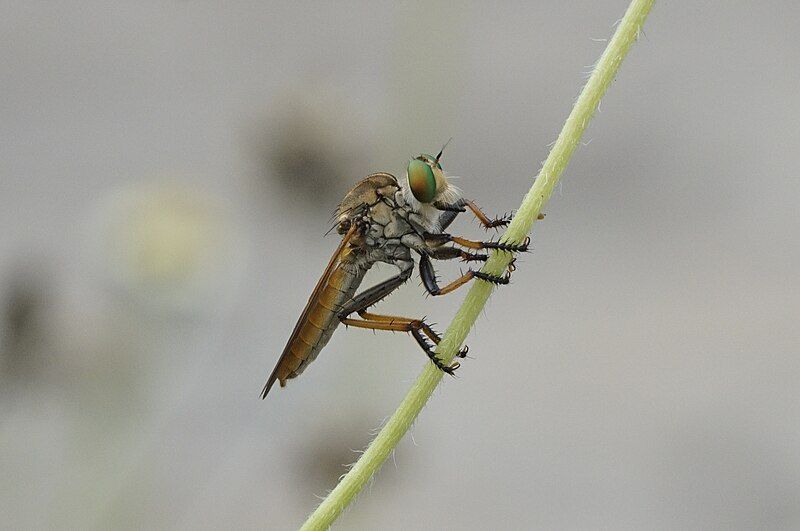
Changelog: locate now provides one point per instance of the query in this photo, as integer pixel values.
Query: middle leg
(431, 283)
(436, 240)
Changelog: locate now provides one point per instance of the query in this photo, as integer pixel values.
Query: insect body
(383, 220)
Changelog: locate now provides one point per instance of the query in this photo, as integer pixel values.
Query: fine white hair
(430, 214)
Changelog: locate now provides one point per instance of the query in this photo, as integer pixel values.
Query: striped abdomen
(319, 319)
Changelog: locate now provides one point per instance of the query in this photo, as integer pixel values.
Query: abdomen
(319, 320)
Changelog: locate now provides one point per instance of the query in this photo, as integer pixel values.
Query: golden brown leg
(431, 284)
(472, 244)
(404, 324)
(396, 319)
(433, 240)
(484, 219)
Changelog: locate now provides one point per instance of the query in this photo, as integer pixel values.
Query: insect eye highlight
(421, 180)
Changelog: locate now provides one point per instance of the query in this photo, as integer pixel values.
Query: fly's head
(426, 184)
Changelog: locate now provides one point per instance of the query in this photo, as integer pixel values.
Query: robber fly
(383, 220)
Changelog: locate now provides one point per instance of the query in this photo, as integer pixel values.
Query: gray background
(167, 172)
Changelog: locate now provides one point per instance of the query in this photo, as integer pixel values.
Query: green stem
(377, 452)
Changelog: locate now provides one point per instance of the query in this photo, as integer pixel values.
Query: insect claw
(451, 369)
(511, 267)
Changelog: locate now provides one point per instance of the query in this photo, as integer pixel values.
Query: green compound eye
(421, 181)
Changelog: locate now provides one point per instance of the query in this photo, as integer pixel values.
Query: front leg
(452, 210)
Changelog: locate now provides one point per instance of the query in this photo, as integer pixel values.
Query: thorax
(392, 230)
(391, 225)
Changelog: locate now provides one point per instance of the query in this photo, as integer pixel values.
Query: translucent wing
(284, 366)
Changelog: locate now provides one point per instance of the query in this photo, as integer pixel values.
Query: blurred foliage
(307, 147)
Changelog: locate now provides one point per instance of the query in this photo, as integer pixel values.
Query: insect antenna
(442, 150)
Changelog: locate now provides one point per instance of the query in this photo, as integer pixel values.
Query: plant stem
(399, 423)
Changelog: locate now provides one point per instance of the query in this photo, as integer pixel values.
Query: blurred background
(167, 173)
